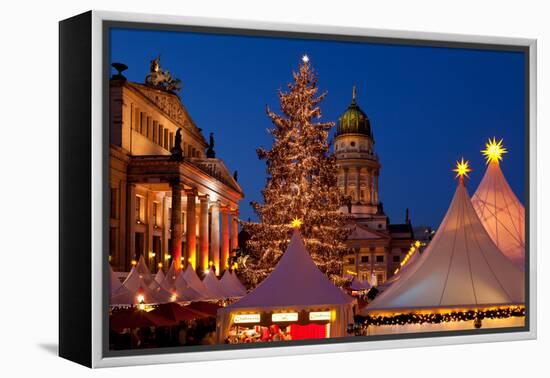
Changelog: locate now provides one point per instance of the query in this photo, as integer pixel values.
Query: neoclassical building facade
(171, 199)
(378, 245)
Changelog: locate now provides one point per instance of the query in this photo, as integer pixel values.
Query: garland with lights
(301, 184)
(363, 322)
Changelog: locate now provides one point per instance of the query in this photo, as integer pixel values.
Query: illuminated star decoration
(462, 168)
(305, 58)
(494, 150)
(296, 223)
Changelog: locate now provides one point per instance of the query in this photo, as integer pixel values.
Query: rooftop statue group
(162, 79)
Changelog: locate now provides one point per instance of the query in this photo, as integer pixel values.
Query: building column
(149, 232)
(234, 230)
(203, 233)
(123, 255)
(345, 181)
(191, 227)
(131, 223)
(375, 189)
(358, 183)
(165, 232)
(215, 235)
(225, 239)
(175, 225)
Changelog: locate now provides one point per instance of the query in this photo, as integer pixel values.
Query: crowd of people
(196, 332)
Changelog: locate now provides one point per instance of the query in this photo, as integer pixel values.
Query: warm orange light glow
(417, 244)
(159, 265)
(462, 168)
(134, 262)
(494, 150)
(296, 223)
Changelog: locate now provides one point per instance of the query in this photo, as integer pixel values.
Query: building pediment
(170, 104)
(217, 169)
(363, 233)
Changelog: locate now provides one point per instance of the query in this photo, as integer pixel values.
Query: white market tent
(159, 278)
(213, 284)
(114, 282)
(358, 285)
(169, 282)
(410, 263)
(295, 284)
(144, 272)
(461, 267)
(194, 282)
(186, 292)
(501, 213)
(231, 285)
(238, 283)
(135, 286)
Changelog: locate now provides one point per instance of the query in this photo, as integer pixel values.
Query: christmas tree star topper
(305, 58)
(494, 150)
(296, 223)
(462, 169)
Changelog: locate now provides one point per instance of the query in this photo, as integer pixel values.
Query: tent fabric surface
(359, 285)
(190, 276)
(410, 263)
(159, 277)
(296, 283)
(135, 284)
(144, 271)
(169, 282)
(460, 267)
(238, 282)
(213, 284)
(114, 282)
(231, 285)
(186, 292)
(501, 213)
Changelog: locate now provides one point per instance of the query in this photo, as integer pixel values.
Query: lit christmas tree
(301, 185)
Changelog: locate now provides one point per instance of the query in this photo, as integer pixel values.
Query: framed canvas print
(234, 189)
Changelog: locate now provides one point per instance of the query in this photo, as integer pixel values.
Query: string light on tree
(493, 151)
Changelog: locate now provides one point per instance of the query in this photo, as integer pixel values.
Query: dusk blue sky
(428, 106)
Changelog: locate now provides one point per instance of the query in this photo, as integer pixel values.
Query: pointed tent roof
(196, 284)
(410, 263)
(184, 291)
(211, 282)
(159, 277)
(230, 285)
(358, 285)
(295, 281)
(114, 281)
(501, 213)
(238, 282)
(134, 284)
(144, 271)
(170, 278)
(460, 267)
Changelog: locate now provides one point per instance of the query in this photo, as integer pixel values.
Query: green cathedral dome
(354, 120)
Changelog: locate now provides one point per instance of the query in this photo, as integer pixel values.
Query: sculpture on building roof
(210, 153)
(161, 79)
(177, 151)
